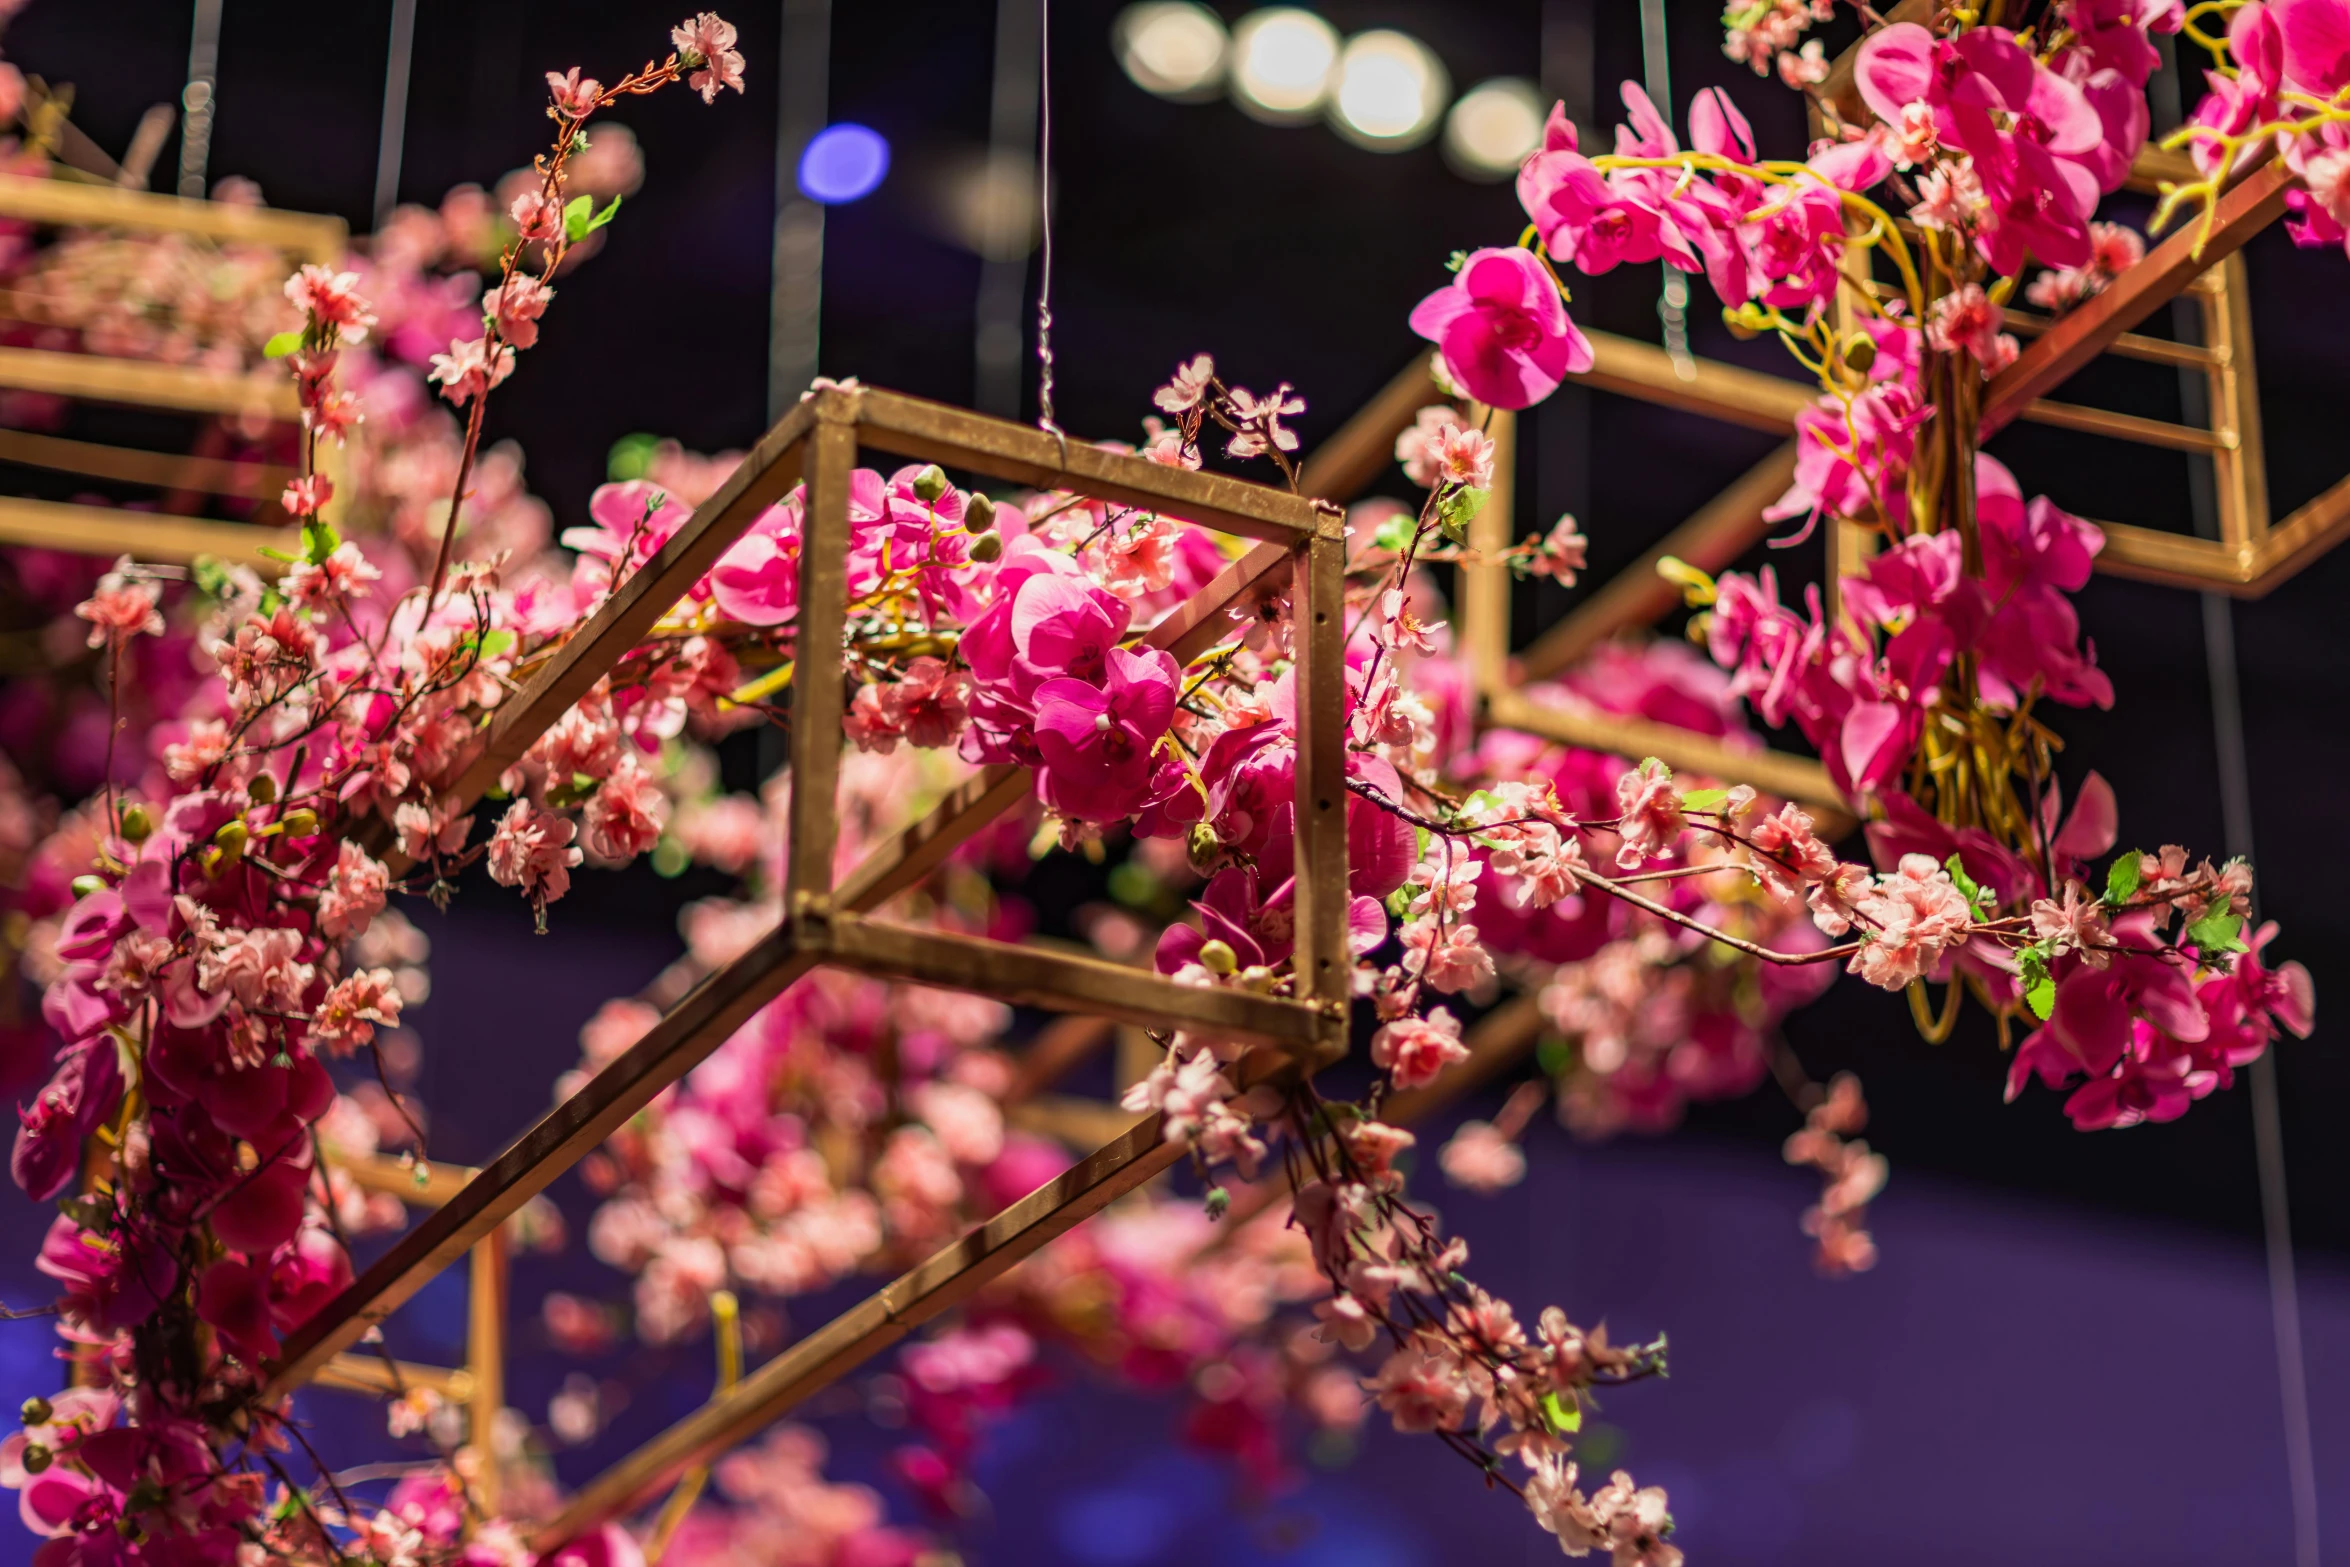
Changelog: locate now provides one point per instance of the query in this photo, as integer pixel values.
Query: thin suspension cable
(2235, 802)
(1656, 70)
(196, 99)
(1006, 234)
(796, 287)
(391, 140)
(1044, 207)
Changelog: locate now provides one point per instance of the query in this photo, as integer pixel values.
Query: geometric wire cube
(828, 923)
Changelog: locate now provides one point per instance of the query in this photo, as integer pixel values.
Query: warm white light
(1171, 47)
(1391, 88)
(1282, 60)
(1493, 127)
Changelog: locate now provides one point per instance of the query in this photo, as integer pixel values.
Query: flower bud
(137, 825)
(1204, 846)
(36, 1458)
(930, 484)
(1219, 1202)
(1256, 977)
(1860, 351)
(978, 514)
(263, 789)
(987, 547)
(83, 886)
(37, 1411)
(300, 822)
(232, 839)
(1218, 958)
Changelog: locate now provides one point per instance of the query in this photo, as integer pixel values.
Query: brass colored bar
(485, 1358)
(865, 1330)
(311, 236)
(902, 861)
(2239, 469)
(368, 1374)
(110, 530)
(1775, 772)
(911, 427)
(2091, 326)
(821, 629)
(2130, 345)
(1061, 982)
(1485, 587)
(1200, 622)
(1343, 466)
(1087, 1123)
(1730, 393)
(1321, 959)
(161, 470)
(2298, 540)
(1057, 1047)
(2123, 427)
(698, 1024)
(1725, 528)
(621, 621)
(378, 1173)
(147, 384)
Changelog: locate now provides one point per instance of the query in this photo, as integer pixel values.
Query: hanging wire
(1656, 70)
(197, 98)
(1006, 236)
(796, 283)
(1044, 207)
(393, 137)
(2235, 804)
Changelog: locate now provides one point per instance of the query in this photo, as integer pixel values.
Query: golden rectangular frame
(147, 384)
(827, 922)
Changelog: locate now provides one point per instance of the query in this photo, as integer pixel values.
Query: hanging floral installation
(224, 975)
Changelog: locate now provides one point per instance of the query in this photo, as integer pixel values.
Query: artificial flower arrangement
(216, 942)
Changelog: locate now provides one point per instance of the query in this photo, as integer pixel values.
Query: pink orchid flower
(1503, 329)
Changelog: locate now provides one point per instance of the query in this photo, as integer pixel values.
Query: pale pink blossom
(1914, 914)
(123, 606)
(1259, 418)
(354, 893)
(1950, 197)
(967, 1123)
(1785, 854)
(1481, 1159)
(1418, 448)
(1650, 813)
(425, 830)
(470, 369)
(1422, 1388)
(575, 95)
(536, 215)
(341, 577)
(1560, 554)
(1183, 1089)
(708, 42)
(515, 307)
(1966, 321)
(624, 817)
(1448, 957)
(532, 850)
(1183, 392)
(188, 759)
(1414, 1050)
(352, 1008)
(332, 298)
(929, 704)
(2074, 923)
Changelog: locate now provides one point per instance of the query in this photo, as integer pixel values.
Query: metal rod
(795, 326)
(1006, 228)
(391, 139)
(198, 97)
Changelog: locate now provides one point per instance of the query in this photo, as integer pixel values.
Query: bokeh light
(1172, 48)
(1282, 62)
(1493, 127)
(1391, 89)
(843, 163)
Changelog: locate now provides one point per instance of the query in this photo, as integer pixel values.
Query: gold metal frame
(103, 530)
(480, 1384)
(828, 922)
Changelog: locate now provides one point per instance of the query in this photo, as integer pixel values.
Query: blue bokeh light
(843, 163)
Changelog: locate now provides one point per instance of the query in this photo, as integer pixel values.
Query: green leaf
(1457, 510)
(2220, 930)
(2121, 879)
(2040, 996)
(1963, 882)
(576, 215)
(605, 216)
(211, 576)
(497, 642)
(1554, 1055)
(1395, 534)
(282, 344)
(1704, 799)
(631, 455)
(319, 540)
(1563, 1417)
(275, 554)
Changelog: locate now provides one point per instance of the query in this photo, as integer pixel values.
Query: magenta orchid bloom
(1503, 330)
(1096, 741)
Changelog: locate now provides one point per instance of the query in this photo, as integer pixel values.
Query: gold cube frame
(1302, 542)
